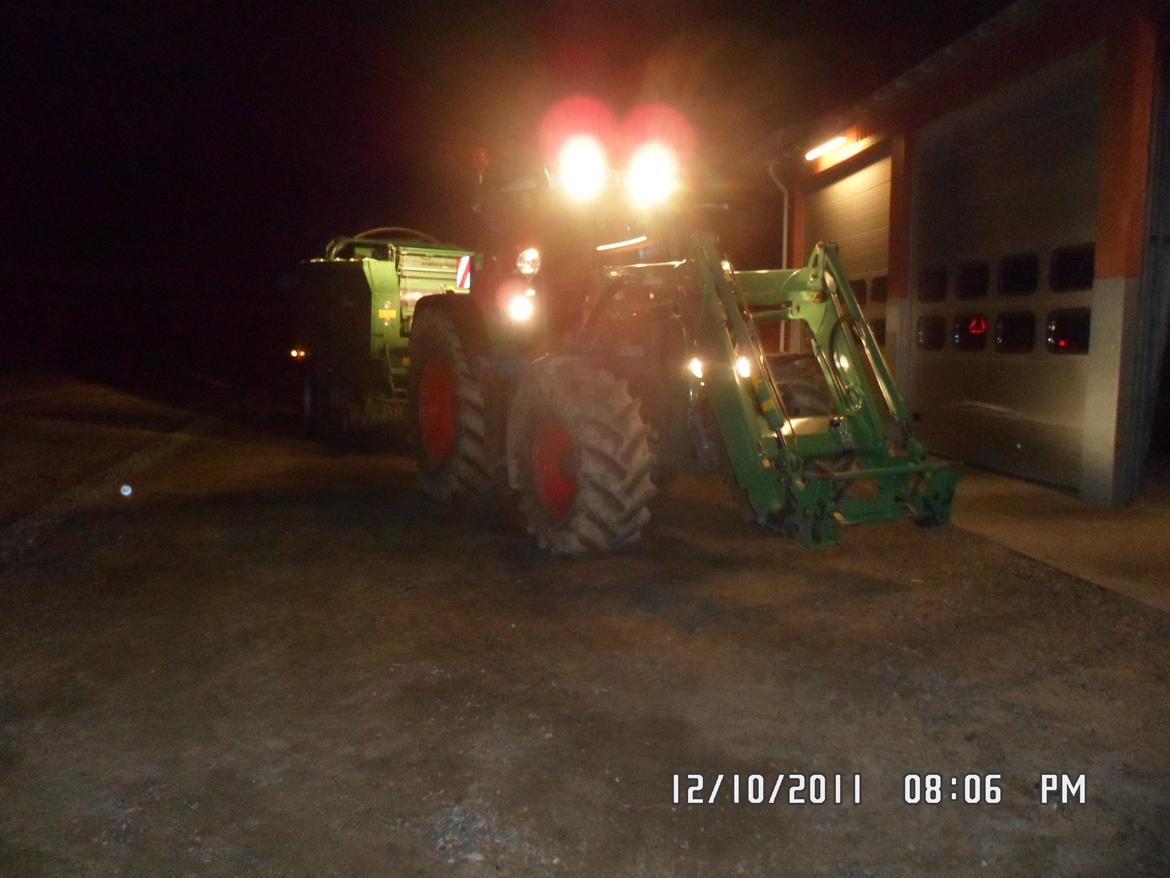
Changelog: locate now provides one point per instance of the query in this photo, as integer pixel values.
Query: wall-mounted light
(828, 146)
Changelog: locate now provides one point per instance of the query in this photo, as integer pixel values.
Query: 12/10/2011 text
(774, 789)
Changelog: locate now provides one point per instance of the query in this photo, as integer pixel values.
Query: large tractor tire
(578, 457)
(448, 417)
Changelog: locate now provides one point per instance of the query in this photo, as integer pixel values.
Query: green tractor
(607, 343)
(357, 306)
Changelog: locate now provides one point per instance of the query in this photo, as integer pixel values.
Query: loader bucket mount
(807, 476)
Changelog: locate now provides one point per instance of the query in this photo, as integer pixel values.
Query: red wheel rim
(436, 410)
(554, 464)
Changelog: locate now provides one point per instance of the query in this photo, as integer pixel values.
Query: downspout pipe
(784, 234)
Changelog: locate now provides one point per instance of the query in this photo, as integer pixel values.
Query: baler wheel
(448, 423)
(579, 458)
(310, 405)
(322, 416)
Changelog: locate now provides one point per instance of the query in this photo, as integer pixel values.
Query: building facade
(1003, 210)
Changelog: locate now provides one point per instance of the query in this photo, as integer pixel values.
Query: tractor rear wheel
(579, 458)
(448, 417)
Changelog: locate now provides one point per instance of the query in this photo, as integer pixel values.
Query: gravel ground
(56, 432)
(272, 659)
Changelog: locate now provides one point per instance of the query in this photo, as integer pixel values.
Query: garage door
(854, 212)
(1004, 221)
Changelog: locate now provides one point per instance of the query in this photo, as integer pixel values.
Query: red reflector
(977, 326)
(1062, 342)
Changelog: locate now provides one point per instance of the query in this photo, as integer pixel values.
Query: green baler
(357, 306)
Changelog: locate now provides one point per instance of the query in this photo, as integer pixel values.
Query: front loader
(606, 346)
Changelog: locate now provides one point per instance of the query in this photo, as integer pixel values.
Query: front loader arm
(806, 476)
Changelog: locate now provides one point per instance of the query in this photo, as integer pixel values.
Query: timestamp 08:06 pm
(771, 789)
(987, 789)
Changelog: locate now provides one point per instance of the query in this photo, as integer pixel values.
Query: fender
(469, 322)
(483, 358)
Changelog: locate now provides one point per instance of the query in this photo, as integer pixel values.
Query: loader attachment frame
(807, 476)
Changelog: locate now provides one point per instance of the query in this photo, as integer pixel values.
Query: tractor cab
(550, 242)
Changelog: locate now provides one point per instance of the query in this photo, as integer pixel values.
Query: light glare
(582, 167)
(828, 146)
(521, 308)
(743, 366)
(696, 367)
(653, 174)
(528, 262)
(621, 245)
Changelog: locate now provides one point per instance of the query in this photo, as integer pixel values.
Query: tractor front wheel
(579, 458)
(448, 417)
(803, 388)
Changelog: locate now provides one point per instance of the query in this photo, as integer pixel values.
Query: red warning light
(977, 326)
(1062, 342)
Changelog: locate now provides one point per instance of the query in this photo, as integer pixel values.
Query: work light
(653, 174)
(528, 262)
(521, 306)
(582, 166)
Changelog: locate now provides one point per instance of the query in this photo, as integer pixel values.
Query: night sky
(216, 144)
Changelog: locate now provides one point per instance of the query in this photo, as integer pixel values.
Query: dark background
(168, 167)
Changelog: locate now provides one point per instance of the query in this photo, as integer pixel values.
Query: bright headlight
(743, 366)
(528, 262)
(696, 367)
(653, 174)
(582, 167)
(521, 307)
